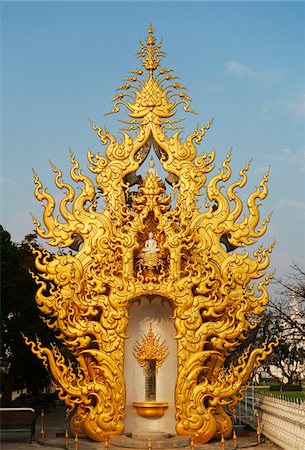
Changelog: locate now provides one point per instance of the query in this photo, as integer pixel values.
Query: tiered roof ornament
(150, 101)
(146, 242)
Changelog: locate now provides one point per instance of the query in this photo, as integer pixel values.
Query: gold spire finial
(151, 99)
(151, 52)
(150, 40)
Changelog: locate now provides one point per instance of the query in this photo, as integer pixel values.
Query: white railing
(246, 409)
(281, 421)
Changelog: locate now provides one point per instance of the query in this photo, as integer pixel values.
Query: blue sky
(243, 62)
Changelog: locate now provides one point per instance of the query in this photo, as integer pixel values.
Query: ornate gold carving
(204, 268)
(149, 98)
(150, 348)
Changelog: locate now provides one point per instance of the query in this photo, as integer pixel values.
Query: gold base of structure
(150, 409)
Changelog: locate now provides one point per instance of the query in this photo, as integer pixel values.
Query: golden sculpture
(150, 354)
(202, 266)
(150, 348)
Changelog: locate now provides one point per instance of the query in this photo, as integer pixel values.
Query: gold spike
(118, 97)
(52, 165)
(258, 429)
(137, 71)
(234, 440)
(42, 432)
(192, 443)
(164, 71)
(66, 439)
(123, 87)
(184, 95)
(72, 156)
(76, 442)
(178, 86)
(133, 79)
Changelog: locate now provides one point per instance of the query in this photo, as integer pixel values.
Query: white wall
(159, 314)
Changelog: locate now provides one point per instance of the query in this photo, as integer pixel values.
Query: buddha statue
(152, 169)
(150, 245)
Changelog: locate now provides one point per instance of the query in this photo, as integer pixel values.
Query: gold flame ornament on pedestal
(150, 348)
(202, 266)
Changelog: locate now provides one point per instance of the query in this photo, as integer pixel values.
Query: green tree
(288, 304)
(286, 364)
(19, 314)
(286, 320)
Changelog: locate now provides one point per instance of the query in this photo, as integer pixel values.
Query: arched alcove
(155, 311)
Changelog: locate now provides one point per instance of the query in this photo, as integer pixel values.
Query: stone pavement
(55, 427)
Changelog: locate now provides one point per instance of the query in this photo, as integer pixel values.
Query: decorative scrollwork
(200, 263)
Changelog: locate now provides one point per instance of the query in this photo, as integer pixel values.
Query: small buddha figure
(150, 245)
(152, 168)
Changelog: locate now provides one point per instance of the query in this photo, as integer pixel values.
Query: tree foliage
(286, 321)
(287, 362)
(289, 302)
(19, 314)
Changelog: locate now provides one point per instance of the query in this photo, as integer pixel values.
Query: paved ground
(55, 427)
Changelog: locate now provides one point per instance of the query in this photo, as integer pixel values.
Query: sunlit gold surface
(150, 347)
(85, 296)
(150, 409)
